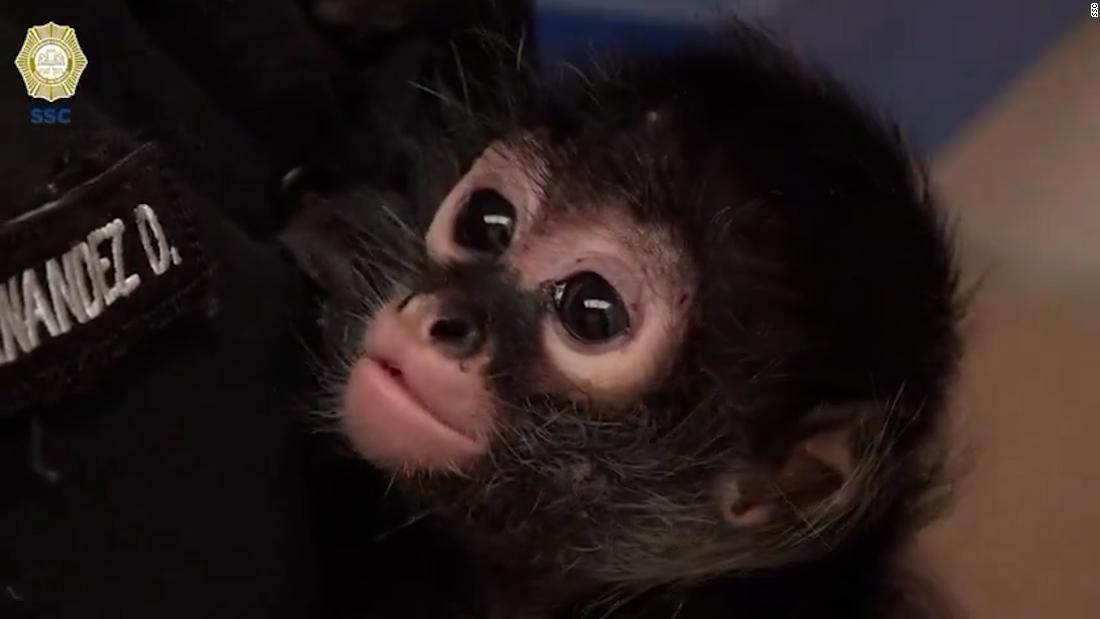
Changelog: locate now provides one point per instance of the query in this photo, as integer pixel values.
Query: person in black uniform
(153, 336)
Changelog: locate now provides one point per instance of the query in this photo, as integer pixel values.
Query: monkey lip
(386, 372)
(398, 377)
(388, 421)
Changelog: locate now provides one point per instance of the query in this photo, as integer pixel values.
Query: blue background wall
(932, 64)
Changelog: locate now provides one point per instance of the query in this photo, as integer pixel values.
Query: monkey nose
(458, 332)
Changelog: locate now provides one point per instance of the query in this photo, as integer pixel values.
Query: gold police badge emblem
(51, 62)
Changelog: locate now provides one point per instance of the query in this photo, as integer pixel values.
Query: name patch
(86, 277)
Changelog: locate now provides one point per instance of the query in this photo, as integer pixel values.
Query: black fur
(827, 295)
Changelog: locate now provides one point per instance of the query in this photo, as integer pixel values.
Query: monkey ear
(815, 474)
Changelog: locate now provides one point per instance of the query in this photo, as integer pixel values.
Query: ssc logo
(51, 62)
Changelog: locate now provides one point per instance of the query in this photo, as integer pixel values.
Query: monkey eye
(590, 309)
(486, 223)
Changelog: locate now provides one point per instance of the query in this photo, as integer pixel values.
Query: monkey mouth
(398, 377)
(389, 422)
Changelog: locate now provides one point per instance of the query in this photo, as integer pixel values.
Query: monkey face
(509, 381)
(593, 295)
(691, 317)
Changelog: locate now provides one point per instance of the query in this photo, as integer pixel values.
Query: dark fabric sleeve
(172, 486)
(170, 483)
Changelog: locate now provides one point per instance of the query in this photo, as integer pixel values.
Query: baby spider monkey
(671, 336)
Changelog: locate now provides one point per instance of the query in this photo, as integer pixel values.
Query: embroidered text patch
(84, 278)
